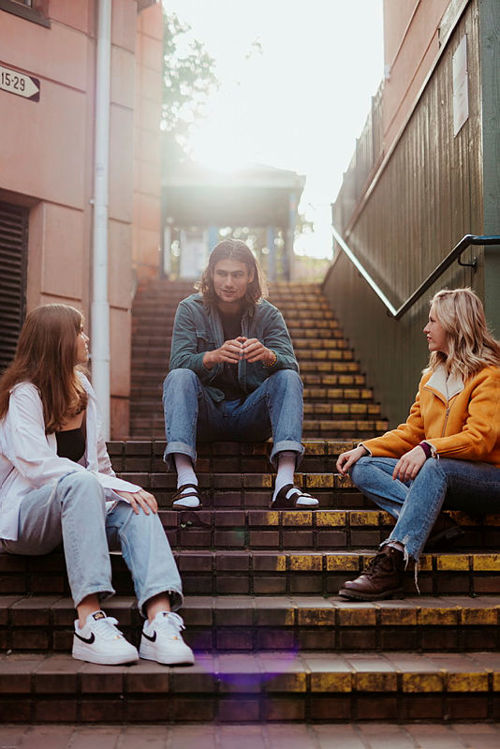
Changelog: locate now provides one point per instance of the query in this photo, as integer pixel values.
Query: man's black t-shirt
(227, 381)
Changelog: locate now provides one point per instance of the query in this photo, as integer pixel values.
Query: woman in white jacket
(57, 485)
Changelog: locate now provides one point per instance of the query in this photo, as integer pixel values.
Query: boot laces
(381, 562)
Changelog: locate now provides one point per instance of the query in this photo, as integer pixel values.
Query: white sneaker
(162, 640)
(100, 641)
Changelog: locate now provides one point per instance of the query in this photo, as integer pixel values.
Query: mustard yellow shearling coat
(460, 420)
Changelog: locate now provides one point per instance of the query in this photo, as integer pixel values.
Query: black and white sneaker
(100, 641)
(162, 641)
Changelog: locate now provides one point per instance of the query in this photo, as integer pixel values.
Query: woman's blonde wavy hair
(471, 346)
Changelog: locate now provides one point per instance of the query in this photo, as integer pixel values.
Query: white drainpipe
(100, 338)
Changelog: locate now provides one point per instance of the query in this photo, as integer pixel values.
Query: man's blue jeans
(73, 511)
(440, 484)
(191, 414)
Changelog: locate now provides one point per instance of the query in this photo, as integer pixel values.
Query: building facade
(48, 166)
(424, 174)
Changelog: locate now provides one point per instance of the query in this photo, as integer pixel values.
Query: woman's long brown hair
(46, 356)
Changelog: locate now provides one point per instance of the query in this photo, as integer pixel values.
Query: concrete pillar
(213, 237)
(288, 256)
(271, 265)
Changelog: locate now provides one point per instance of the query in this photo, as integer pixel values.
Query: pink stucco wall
(46, 157)
(147, 161)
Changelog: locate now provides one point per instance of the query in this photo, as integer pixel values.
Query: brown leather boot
(383, 577)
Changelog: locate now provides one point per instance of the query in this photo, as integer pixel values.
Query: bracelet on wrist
(426, 448)
(273, 360)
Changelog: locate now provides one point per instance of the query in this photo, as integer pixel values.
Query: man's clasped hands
(234, 350)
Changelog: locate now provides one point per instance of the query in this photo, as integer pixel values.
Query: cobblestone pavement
(246, 736)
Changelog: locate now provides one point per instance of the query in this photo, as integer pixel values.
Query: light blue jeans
(441, 483)
(274, 408)
(72, 511)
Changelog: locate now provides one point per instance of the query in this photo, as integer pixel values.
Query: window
(13, 262)
(30, 10)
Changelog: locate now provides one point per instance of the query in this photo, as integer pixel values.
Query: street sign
(19, 83)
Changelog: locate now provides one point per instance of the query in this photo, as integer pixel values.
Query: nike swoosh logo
(88, 640)
(152, 638)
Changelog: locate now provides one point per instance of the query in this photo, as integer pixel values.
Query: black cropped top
(71, 443)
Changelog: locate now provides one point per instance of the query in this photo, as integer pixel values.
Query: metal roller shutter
(13, 256)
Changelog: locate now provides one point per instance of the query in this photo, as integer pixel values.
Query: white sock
(286, 470)
(396, 545)
(186, 475)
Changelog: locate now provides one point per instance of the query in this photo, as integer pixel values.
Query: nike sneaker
(100, 641)
(162, 641)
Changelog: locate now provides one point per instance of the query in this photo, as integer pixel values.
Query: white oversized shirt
(29, 460)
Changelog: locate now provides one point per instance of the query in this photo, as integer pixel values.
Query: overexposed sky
(297, 77)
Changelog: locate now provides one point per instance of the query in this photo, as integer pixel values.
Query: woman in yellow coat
(447, 453)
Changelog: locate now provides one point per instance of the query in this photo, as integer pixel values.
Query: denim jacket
(198, 328)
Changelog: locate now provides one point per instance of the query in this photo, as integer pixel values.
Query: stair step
(152, 410)
(142, 407)
(150, 395)
(146, 456)
(244, 572)
(144, 370)
(342, 375)
(305, 348)
(321, 367)
(146, 430)
(147, 342)
(308, 360)
(254, 687)
(319, 530)
(320, 378)
(147, 306)
(262, 623)
(132, 446)
(323, 422)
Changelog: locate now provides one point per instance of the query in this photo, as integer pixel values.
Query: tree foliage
(188, 80)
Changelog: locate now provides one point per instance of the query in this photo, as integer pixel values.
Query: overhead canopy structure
(254, 196)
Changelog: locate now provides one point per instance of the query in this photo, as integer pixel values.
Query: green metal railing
(454, 254)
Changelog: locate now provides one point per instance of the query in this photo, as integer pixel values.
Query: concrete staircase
(274, 642)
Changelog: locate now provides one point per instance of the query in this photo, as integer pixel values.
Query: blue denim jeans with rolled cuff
(191, 415)
(443, 483)
(73, 511)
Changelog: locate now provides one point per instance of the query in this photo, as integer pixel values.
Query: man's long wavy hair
(233, 249)
(471, 346)
(46, 356)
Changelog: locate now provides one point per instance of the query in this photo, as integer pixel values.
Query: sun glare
(213, 151)
(294, 93)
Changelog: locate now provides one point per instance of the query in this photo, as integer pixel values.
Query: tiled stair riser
(256, 687)
(254, 624)
(265, 573)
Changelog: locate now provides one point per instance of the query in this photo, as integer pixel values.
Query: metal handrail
(465, 242)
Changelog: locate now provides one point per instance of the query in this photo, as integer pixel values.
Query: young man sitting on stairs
(233, 376)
